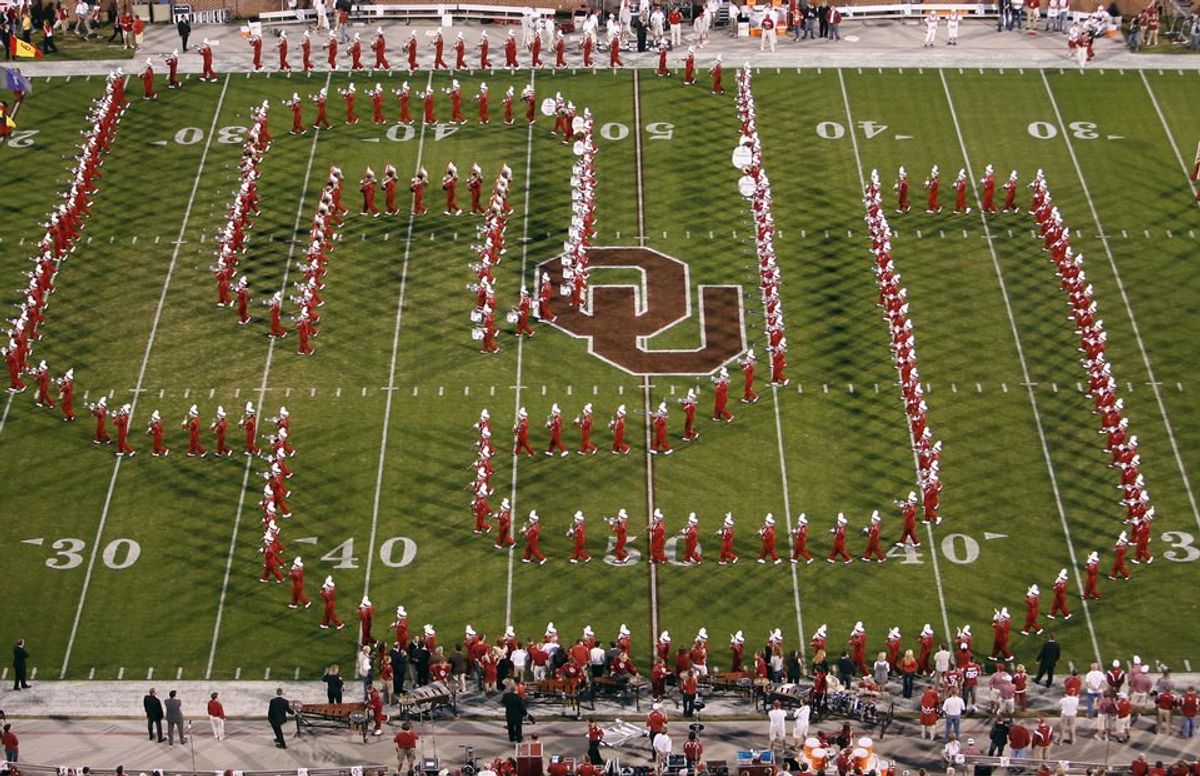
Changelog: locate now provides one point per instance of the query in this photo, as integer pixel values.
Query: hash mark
(91, 673)
(876, 387)
(672, 390)
(211, 392)
(178, 673)
(1054, 387)
(595, 390)
(1187, 665)
(1179, 386)
(312, 392)
(237, 674)
(161, 391)
(120, 673)
(941, 233)
(918, 234)
(620, 390)
(186, 391)
(338, 393)
(799, 388)
(466, 390)
(267, 673)
(543, 390)
(414, 390)
(850, 387)
(1124, 233)
(953, 387)
(441, 390)
(237, 392)
(296, 674)
(364, 392)
(493, 391)
(824, 387)
(287, 392)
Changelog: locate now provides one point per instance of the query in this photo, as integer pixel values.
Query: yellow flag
(20, 48)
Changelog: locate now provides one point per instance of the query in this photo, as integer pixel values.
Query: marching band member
(726, 534)
(691, 540)
(577, 532)
(617, 424)
(532, 531)
(800, 541)
(658, 420)
(767, 532)
(584, 423)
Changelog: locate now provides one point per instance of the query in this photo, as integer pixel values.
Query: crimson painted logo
(618, 320)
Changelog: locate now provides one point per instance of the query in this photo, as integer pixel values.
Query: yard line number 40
(119, 554)
(1041, 130)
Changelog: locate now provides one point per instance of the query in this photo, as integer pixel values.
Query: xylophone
(332, 715)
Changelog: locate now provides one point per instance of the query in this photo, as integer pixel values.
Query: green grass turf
(844, 450)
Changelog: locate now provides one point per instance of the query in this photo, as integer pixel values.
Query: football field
(116, 567)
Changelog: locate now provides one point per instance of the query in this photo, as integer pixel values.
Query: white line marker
(1137, 334)
(512, 494)
(1037, 416)
(387, 407)
(862, 179)
(162, 298)
(262, 389)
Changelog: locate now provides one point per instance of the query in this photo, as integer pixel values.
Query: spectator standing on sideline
(216, 717)
(5, 33)
(82, 9)
(953, 707)
(1018, 740)
(333, 685)
(777, 731)
(1068, 712)
(277, 713)
(399, 667)
(1093, 685)
(184, 27)
(998, 737)
(1047, 658)
(1188, 705)
(1043, 736)
(801, 719)
(11, 744)
(908, 672)
(174, 714)
(406, 749)
(514, 711)
(138, 28)
(835, 21)
(20, 665)
(154, 715)
(662, 752)
(366, 671)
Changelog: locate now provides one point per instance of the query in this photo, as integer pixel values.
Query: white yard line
(1028, 382)
(391, 386)
(1187, 172)
(512, 495)
(641, 241)
(787, 513)
(1112, 263)
(137, 390)
(933, 554)
(7, 407)
(262, 393)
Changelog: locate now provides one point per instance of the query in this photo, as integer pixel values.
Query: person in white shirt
(951, 751)
(941, 666)
(800, 727)
(520, 659)
(662, 752)
(778, 729)
(81, 19)
(1068, 711)
(597, 659)
(1093, 684)
(953, 708)
(657, 24)
(931, 25)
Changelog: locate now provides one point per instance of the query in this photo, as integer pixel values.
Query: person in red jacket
(121, 421)
(297, 576)
(192, 424)
(532, 532)
(721, 396)
(521, 434)
(1120, 552)
(1060, 597)
(930, 703)
(617, 424)
(1032, 601)
(747, 365)
(329, 599)
(658, 420)
(66, 394)
(155, 430)
(584, 421)
(873, 549)
(578, 534)
(931, 185)
(800, 541)
(767, 532)
(839, 541)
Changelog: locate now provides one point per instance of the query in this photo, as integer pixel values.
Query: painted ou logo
(618, 319)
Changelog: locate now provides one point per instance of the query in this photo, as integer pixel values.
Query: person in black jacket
(998, 738)
(20, 664)
(1047, 658)
(154, 716)
(333, 684)
(184, 28)
(277, 713)
(514, 711)
(399, 668)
